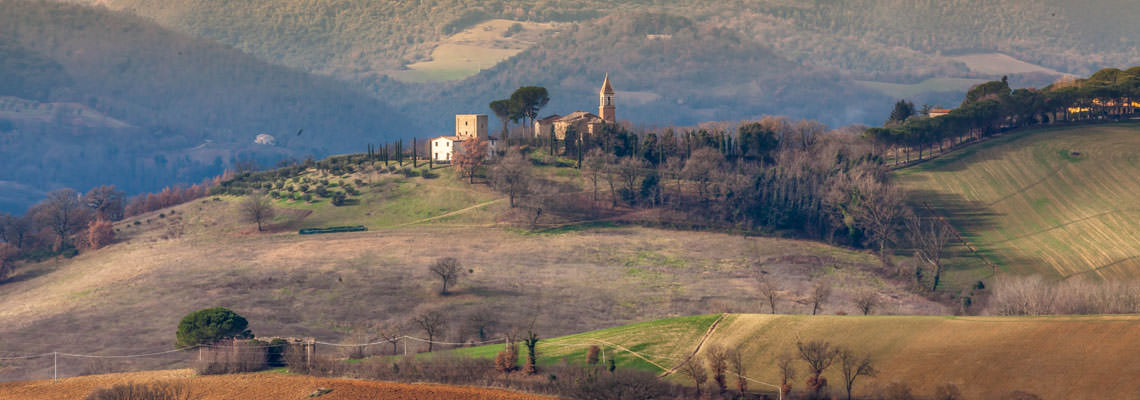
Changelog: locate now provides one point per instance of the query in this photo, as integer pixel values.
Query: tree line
(992, 107)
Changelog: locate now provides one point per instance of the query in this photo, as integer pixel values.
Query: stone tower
(606, 105)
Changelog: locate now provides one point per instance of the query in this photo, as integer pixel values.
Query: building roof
(549, 119)
(579, 115)
(940, 110)
(606, 88)
(451, 138)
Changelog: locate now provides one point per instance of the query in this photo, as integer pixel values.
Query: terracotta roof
(940, 110)
(606, 88)
(452, 138)
(551, 118)
(577, 115)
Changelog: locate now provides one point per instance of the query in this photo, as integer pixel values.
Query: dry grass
(986, 357)
(131, 295)
(1033, 207)
(267, 386)
(480, 47)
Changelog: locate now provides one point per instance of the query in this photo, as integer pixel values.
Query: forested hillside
(348, 35)
(785, 56)
(698, 74)
(91, 96)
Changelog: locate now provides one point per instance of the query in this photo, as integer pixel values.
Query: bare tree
(879, 210)
(390, 333)
(106, 201)
(482, 320)
(930, 236)
(854, 366)
(699, 169)
(62, 213)
(866, 300)
(717, 358)
(7, 252)
(596, 162)
(470, 158)
(511, 175)
(256, 209)
(448, 270)
(820, 292)
(770, 291)
(693, 369)
(736, 362)
(432, 323)
(629, 169)
(819, 355)
(787, 366)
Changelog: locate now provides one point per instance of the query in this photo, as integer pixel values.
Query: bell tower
(606, 104)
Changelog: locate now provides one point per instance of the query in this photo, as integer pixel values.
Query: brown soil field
(261, 386)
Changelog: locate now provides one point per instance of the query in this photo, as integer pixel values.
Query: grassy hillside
(986, 357)
(1056, 201)
(130, 295)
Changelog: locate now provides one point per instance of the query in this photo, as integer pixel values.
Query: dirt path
(700, 343)
(445, 215)
(258, 386)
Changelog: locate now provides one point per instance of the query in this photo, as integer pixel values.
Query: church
(580, 121)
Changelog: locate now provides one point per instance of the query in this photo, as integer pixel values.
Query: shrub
(339, 198)
(210, 325)
(430, 175)
(100, 233)
(410, 173)
(508, 359)
(307, 197)
(143, 391)
(304, 188)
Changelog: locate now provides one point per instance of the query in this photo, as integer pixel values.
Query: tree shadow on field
(966, 216)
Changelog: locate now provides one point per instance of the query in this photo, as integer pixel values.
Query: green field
(986, 357)
(1059, 201)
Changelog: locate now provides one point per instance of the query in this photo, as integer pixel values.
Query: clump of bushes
(143, 391)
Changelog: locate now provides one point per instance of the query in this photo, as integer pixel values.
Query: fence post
(309, 354)
(55, 366)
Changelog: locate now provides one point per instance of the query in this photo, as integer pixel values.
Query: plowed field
(263, 386)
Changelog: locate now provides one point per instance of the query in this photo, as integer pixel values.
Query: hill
(1056, 201)
(785, 58)
(985, 357)
(575, 278)
(166, 107)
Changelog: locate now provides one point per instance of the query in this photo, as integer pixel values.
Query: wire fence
(58, 365)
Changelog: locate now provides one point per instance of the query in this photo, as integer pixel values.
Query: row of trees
(818, 356)
(67, 220)
(993, 106)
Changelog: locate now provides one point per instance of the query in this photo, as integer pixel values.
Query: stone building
(467, 127)
(581, 121)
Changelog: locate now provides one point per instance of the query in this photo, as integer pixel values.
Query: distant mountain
(90, 96)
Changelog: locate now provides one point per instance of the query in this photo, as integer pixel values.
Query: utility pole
(55, 366)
